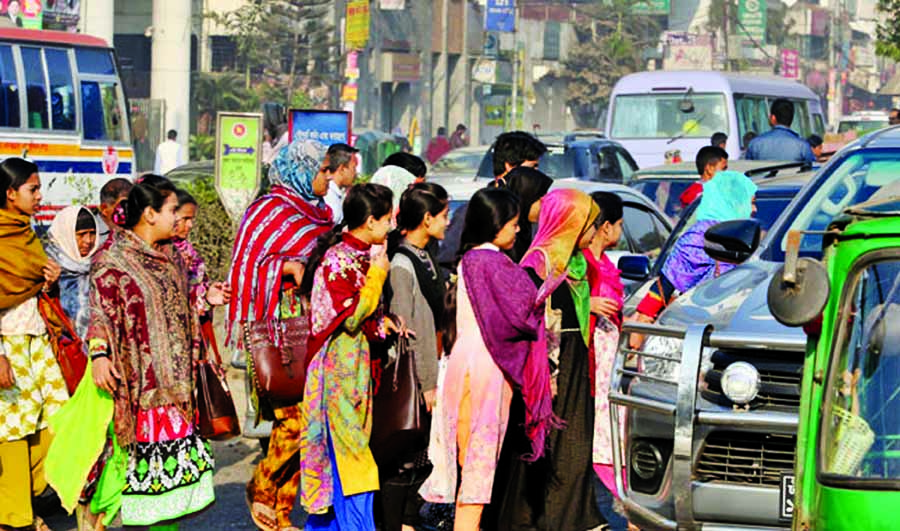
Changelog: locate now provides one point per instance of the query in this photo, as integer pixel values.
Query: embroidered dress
(336, 466)
(142, 317)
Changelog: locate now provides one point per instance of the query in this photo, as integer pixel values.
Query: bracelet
(99, 355)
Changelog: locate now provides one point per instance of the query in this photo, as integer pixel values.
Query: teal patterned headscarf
(297, 165)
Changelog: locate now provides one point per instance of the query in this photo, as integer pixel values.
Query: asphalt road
(235, 461)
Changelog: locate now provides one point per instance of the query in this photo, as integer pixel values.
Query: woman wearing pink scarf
(607, 295)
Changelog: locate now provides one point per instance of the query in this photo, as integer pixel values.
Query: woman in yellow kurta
(336, 467)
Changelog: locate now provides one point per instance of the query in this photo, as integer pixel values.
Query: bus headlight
(740, 382)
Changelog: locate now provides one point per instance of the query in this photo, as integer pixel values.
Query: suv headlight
(740, 382)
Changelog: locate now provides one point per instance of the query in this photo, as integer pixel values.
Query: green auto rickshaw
(847, 472)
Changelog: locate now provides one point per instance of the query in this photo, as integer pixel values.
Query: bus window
(95, 62)
(102, 111)
(35, 88)
(62, 90)
(752, 115)
(9, 90)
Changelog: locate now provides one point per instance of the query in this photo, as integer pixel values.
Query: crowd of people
(511, 338)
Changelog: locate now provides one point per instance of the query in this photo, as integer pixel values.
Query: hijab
(530, 185)
(74, 281)
(396, 178)
(296, 166)
(726, 196)
(566, 215)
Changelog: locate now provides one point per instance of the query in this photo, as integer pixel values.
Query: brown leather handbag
(64, 341)
(279, 371)
(400, 420)
(217, 417)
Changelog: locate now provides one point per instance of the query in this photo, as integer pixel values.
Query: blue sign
(326, 127)
(500, 15)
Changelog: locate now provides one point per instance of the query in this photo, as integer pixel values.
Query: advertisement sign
(790, 64)
(651, 7)
(392, 5)
(752, 16)
(500, 15)
(238, 160)
(357, 30)
(24, 13)
(688, 57)
(61, 14)
(326, 127)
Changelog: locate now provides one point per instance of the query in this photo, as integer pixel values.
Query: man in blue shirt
(781, 142)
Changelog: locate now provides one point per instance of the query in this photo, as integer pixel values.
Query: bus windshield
(663, 116)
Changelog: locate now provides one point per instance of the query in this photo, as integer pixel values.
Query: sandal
(263, 516)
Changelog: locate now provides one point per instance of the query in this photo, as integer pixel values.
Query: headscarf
(530, 185)
(22, 260)
(396, 178)
(74, 281)
(297, 165)
(566, 215)
(726, 196)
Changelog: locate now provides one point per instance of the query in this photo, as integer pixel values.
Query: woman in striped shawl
(277, 235)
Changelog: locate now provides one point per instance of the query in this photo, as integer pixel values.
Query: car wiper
(682, 134)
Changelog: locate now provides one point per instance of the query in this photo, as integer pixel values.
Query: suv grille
(780, 379)
(746, 458)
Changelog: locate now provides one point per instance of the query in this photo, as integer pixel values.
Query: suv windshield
(558, 163)
(661, 116)
(851, 181)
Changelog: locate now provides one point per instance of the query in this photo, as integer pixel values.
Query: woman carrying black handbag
(417, 297)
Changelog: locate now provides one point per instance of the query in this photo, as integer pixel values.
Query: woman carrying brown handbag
(273, 244)
(31, 384)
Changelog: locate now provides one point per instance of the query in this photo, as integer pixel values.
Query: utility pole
(727, 34)
(515, 80)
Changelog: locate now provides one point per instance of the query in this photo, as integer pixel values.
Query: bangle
(99, 355)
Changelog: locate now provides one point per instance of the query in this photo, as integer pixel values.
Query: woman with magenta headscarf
(728, 196)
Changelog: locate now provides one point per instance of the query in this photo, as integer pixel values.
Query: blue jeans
(605, 501)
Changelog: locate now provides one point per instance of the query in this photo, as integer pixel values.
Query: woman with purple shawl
(556, 493)
(499, 323)
(728, 195)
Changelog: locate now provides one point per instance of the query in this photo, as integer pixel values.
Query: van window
(801, 118)
(819, 124)
(661, 116)
(92, 61)
(753, 115)
(102, 111)
(62, 90)
(35, 88)
(9, 90)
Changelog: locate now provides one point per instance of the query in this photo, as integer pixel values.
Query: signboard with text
(651, 7)
(752, 16)
(357, 30)
(238, 160)
(326, 127)
(790, 64)
(500, 15)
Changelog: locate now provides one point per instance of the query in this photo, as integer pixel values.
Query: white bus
(63, 107)
(655, 112)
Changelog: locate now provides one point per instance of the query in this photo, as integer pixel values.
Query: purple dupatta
(510, 314)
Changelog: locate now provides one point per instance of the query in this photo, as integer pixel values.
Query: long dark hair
(417, 200)
(14, 172)
(530, 185)
(489, 210)
(152, 192)
(362, 201)
(611, 208)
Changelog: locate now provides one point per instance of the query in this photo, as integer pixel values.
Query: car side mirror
(800, 288)
(734, 241)
(634, 267)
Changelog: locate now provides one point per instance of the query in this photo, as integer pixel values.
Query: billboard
(326, 127)
(238, 160)
(500, 15)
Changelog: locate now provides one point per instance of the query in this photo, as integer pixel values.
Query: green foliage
(85, 190)
(610, 43)
(887, 43)
(213, 234)
(202, 147)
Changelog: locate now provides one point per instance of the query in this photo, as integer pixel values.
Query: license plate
(786, 497)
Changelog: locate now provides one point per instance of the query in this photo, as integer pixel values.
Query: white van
(654, 112)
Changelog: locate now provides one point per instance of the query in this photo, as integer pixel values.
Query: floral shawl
(566, 215)
(140, 310)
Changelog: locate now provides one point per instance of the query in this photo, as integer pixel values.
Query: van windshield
(853, 181)
(663, 116)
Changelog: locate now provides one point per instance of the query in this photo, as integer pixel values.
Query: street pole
(727, 35)
(515, 80)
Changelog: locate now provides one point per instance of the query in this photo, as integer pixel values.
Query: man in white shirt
(169, 155)
(340, 167)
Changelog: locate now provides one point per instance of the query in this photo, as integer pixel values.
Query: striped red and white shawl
(280, 226)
